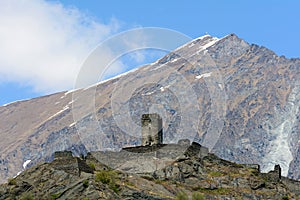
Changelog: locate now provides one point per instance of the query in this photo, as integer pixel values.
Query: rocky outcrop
(191, 175)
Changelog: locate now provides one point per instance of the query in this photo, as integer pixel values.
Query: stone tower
(152, 132)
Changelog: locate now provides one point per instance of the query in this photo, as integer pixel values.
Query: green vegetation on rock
(182, 196)
(107, 177)
(193, 178)
(12, 181)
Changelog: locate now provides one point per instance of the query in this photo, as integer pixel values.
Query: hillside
(190, 175)
(241, 100)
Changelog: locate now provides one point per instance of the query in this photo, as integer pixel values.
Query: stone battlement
(63, 154)
(274, 175)
(144, 149)
(64, 160)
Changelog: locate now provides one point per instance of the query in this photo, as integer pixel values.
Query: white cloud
(43, 44)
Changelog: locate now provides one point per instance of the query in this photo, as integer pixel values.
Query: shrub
(55, 196)
(12, 181)
(182, 196)
(27, 196)
(93, 166)
(197, 196)
(218, 191)
(85, 183)
(108, 178)
(215, 173)
(105, 177)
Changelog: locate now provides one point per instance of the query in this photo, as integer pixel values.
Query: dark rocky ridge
(191, 174)
(261, 114)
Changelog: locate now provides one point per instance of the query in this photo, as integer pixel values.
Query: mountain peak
(224, 46)
(231, 35)
(232, 38)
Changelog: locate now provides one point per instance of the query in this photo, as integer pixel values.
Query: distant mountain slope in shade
(261, 118)
(188, 177)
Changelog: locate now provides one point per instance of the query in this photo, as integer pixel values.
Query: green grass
(93, 166)
(85, 183)
(218, 191)
(12, 181)
(108, 178)
(105, 177)
(55, 196)
(215, 174)
(128, 183)
(27, 196)
(197, 196)
(182, 196)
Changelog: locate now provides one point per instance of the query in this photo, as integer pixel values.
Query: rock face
(240, 100)
(192, 176)
(147, 159)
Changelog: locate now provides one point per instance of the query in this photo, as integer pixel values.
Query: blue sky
(274, 24)
(46, 41)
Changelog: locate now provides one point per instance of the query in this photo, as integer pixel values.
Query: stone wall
(63, 154)
(145, 159)
(64, 160)
(67, 164)
(152, 131)
(274, 175)
(144, 149)
(252, 166)
(83, 167)
(196, 150)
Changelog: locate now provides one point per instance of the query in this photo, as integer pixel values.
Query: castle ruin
(64, 160)
(152, 131)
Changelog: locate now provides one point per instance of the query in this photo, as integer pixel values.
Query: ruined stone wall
(66, 164)
(274, 175)
(64, 160)
(83, 167)
(63, 154)
(252, 166)
(144, 149)
(196, 150)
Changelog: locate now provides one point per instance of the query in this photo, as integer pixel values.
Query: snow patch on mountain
(208, 42)
(26, 163)
(72, 124)
(59, 112)
(8, 104)
(69, 92)
(24, 167)
(205, 75)
(211, 43)
(162, 89)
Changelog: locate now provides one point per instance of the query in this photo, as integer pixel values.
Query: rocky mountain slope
(188, 177)
(243, 97)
